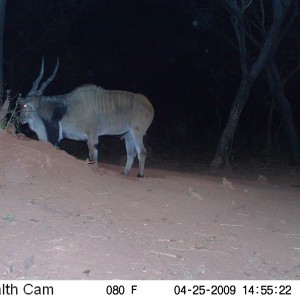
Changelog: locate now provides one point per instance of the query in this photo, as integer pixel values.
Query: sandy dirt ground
(61, 218)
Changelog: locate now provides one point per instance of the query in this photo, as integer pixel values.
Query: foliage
(9, 117)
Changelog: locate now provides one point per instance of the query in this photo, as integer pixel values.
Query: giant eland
(85, 114)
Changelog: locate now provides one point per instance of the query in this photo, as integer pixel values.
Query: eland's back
(114, 112)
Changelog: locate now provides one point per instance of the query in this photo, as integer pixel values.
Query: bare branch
(239, 28)
(262, 15)
(245, 4)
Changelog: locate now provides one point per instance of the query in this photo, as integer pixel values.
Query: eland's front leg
(93, 151)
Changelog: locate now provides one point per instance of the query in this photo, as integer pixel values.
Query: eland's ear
(21, 101)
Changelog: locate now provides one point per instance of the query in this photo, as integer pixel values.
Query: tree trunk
(269, 127)
(2, 15)
(276, 89)
(221, 157)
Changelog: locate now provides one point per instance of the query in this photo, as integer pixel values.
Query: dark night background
(173, 51)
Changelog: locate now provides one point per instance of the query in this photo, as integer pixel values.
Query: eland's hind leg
(131, 152)
(141, 151)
